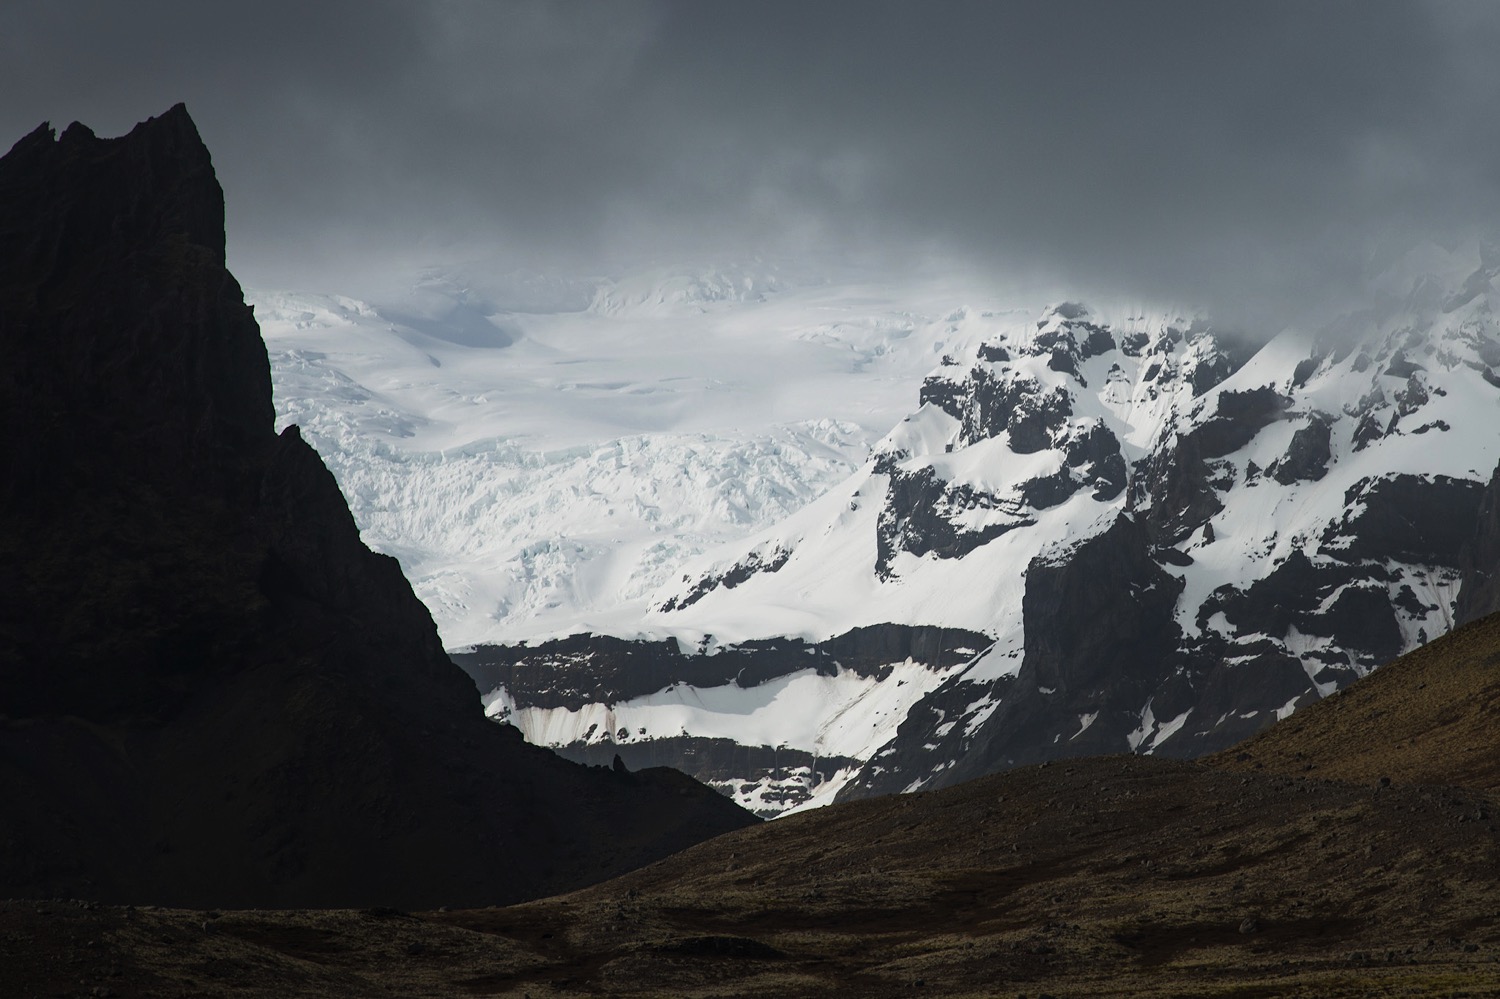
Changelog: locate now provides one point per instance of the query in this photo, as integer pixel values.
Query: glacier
(549, 477)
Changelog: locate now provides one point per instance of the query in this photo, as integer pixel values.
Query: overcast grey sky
(1243, 156)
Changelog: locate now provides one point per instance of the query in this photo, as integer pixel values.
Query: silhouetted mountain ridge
(211, 692)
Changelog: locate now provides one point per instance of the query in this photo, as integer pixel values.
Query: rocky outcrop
(1178, 487)
(589, 669)
(918, 518)
(1307, 457)
(552, 684)
(1100, 640)
(733, 576)
(213, 694)
(1347, 603)
(1411, 518)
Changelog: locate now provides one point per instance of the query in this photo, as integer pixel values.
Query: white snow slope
(541, 473)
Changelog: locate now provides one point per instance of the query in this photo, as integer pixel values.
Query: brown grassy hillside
(1432, 716)
(1102, 877)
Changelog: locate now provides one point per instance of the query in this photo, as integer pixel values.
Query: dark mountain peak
(210, 690)
(114, 300)
(160, 173)
(43, 135)
(1066, 310)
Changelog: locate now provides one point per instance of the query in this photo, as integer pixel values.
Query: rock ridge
(213, 693)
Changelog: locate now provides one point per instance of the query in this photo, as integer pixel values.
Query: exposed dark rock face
(1308, 455)
(1401, 366)
(1104, 606)
(213, 693)
(991, 404)
(918, 518)
(1094, 617)
(588, 669)
(1411, 518)
(612, 669)
(1368, 430)
(1360, 619)
(1097, 452)
(1479, 593)
(575, 672)
(921, 512)
(1035, 420)
(1238, 418)
(1173, 491)
(1176, 489)
(729, 579)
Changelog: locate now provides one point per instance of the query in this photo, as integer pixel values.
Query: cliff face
(211, 692)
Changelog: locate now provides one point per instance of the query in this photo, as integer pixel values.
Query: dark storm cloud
(1246, 156)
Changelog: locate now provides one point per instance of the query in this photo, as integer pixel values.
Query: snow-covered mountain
(1102, 530)
(542, 456)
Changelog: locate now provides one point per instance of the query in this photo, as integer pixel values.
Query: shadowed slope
(1100, 877)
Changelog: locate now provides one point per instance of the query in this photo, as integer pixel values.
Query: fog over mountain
(1247, 159)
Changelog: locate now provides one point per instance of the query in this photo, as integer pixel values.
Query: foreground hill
(1432, 717)
(211, 692)
(1100, 877)
(1105, 876)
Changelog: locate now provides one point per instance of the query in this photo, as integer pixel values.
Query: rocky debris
(214, 694)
